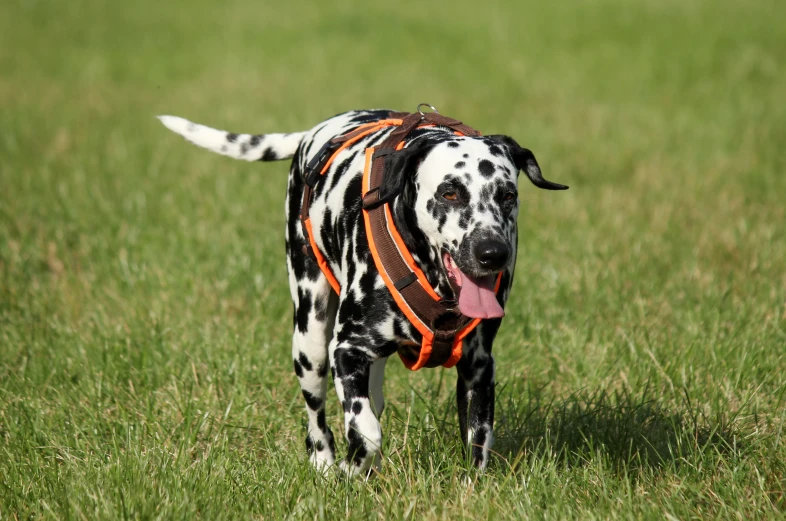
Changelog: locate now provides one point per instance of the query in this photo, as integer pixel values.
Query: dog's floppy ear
(525, 160)
(399, 166)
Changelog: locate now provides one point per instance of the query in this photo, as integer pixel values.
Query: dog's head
(463, 195)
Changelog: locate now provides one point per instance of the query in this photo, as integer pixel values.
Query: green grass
(144, 311)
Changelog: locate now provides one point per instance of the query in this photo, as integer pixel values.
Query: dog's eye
(450, 195)
(509, 196)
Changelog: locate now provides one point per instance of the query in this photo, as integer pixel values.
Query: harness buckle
(314, 167)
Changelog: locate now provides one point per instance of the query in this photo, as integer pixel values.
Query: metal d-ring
(423, 114)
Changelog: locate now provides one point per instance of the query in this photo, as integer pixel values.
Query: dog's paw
(362, 471)
(349, 469)
(322, 464)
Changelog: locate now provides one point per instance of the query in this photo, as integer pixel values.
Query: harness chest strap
(441, 325)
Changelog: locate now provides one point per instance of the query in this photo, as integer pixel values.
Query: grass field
(144, 311)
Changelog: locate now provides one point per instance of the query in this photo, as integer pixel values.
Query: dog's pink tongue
(477, 298)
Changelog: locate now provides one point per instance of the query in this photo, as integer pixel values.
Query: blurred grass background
(144, 312)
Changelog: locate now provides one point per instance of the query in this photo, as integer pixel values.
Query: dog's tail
(249, 147)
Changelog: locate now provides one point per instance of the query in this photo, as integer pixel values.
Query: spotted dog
(455, 205)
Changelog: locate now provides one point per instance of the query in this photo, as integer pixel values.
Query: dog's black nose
(491, 254)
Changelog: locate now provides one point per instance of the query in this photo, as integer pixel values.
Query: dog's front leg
(475, 399)
(352, 375)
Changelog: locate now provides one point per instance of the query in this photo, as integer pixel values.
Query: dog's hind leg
(315, 305)
(315, 311)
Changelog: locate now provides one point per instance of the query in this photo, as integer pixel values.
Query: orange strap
(359, 133)
(321, 261)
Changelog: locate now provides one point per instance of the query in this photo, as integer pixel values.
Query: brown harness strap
(437, 319)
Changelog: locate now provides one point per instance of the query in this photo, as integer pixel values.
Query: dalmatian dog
(455, 203)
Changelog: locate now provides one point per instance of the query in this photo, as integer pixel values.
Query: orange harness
(438, 320)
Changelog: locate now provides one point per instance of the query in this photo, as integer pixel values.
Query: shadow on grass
(630, 431)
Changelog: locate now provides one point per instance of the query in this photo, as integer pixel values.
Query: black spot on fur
(327, 231)
(331, 441)
(305, 362)
(341, 169)
(319, 446)
(254, 141)
(352, 367)
(303, 309)
(460, 164)
(350, 311)
(321, 421)
(490, 191)
(495, 150)
(357, 447)
(357, 407)
(269, 154)
(243, 148)
(486, 168)
(349, 361)
(466, 217)
(312, 401)
(298, 369)
(320, 306)
(231, 137)
(453, 144)
(322, 370)
(465, 156)
(367, 116)
(352, 195)
(367, 282)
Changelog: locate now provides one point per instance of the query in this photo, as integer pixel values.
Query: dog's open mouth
(477, 298)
